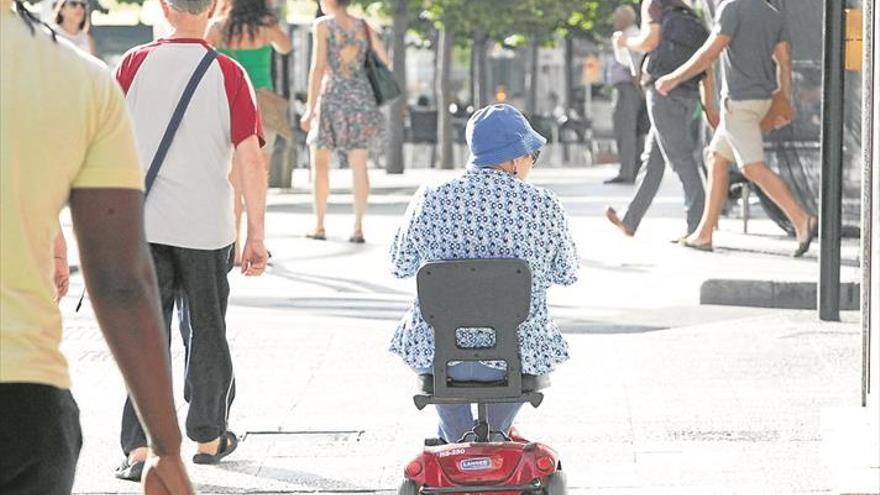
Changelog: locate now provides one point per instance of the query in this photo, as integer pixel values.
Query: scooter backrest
(481, 293)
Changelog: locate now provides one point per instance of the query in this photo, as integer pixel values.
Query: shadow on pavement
(360, 308)
(580, 327)
(308, 482)
(335, 283)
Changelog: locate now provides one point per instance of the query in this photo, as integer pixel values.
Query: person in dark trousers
(66, 137)
(751, 39)
(189, 212)
(670, 139)
(629, 103)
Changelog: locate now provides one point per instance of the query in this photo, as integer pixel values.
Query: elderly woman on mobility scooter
(489, 212)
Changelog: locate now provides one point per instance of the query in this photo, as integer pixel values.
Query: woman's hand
(62, 269)
(305, 123)
(62, 277)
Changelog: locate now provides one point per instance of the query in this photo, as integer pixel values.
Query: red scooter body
(518, 465)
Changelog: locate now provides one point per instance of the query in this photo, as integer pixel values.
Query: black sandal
(317, 235)
(228, 444)
(357, 239)
(130, 471)
(804, 245)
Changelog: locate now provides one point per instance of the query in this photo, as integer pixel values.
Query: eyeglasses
(75, 3)
(534, 155)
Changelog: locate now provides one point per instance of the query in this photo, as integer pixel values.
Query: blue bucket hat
(500, 133)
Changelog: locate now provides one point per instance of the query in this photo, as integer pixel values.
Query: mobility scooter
(493, 294)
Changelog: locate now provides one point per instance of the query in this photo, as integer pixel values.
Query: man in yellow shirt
(65, 136)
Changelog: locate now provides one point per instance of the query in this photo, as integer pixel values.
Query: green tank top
(257, 62)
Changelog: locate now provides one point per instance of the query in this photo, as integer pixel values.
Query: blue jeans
(458, 419)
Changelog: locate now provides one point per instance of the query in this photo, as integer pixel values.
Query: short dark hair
(83, 26)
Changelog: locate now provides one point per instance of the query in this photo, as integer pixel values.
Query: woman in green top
(247, 31)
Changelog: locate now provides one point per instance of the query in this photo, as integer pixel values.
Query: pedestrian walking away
(248, 32)
(190, 158)
(664, 24)
(629, 102)
(504, 217)
(341, 112)
(66, 137)
(752, 41)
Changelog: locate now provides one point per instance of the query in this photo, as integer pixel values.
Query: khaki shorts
(738, 138)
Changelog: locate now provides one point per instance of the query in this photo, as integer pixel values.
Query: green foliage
(593, 18)
(514, 22)
(419, 24)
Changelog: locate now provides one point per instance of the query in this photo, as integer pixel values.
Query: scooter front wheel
(555, 484)
(408, 487)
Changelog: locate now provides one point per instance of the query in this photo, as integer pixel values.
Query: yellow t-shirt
(63, 125)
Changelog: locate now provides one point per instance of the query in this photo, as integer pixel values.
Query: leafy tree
(476, 24)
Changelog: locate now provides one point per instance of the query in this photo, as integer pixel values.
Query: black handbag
(385, 87)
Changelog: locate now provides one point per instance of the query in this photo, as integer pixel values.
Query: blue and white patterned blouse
(487, 213)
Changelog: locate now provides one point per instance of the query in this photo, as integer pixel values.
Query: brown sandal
(317, 235)
(706, 247)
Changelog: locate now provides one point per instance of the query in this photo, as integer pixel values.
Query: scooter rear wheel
(555, 484)
(408, 487)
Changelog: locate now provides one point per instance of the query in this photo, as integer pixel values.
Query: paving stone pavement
(661, 395)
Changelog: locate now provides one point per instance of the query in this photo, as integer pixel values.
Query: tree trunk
(444, 98)
(532, 78)
(472, 72)
(481, 66)
(400, 23)
(568, 68)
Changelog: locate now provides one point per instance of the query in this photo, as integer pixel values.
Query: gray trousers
(194, 280)
(627, 107)
(669, 141)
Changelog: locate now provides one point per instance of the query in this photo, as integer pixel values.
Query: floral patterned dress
(487, 213)
(348, 117)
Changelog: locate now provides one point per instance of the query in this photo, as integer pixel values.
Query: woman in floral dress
(341, 111)
(489, 212)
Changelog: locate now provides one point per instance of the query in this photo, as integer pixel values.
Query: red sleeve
(131, 62)
(244, 116)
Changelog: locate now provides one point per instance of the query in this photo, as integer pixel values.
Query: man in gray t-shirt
(751, 40)
(747, 65)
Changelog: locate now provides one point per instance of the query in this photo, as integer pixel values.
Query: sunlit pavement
(662, 395)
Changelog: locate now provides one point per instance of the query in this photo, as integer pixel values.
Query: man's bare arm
(121, 280)
(252, 167)
(707, 98)
(782, 54)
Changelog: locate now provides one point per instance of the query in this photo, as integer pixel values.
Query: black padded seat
(530, 383)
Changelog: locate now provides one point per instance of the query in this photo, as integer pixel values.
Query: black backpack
(682, 33)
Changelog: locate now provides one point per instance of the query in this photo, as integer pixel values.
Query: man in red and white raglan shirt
(189, 212)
